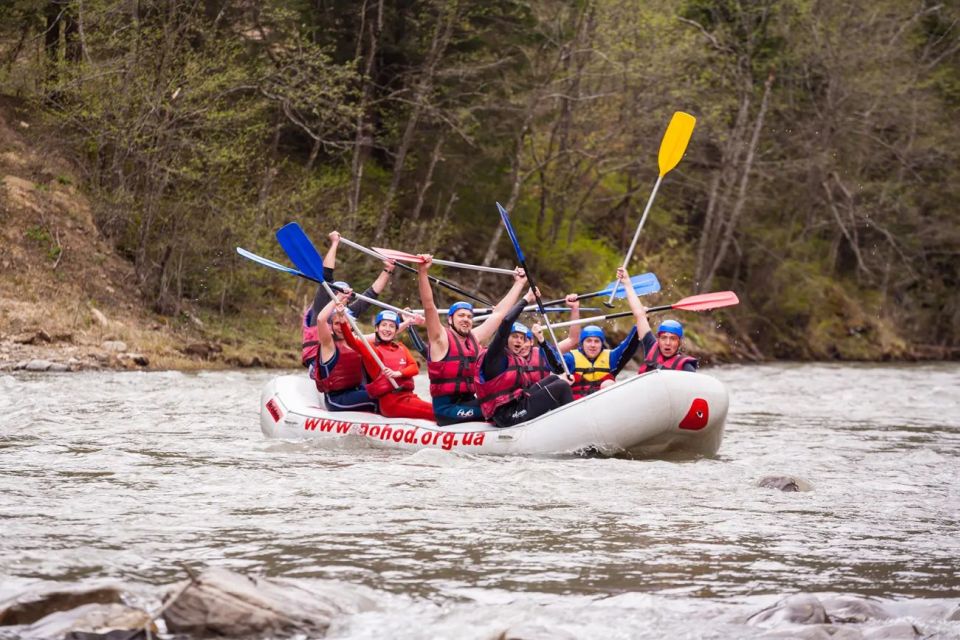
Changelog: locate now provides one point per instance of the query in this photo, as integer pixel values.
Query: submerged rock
(853, 609)
(784, 483)
(91, 621)
(28, 607)
(798, 609)
(222, 602)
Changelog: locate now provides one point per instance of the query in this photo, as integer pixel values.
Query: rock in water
(853, 609)
(799, 609)
(230, 604)
(784, 483)
(31, 606)
(92, 621)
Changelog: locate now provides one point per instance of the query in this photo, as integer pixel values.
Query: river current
(133, 476)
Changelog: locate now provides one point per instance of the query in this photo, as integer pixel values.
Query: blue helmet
(519, 327)
(671, 326)
(592, 331)
(456, 306)
(386, 314)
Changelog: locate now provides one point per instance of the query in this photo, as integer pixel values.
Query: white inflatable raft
(656, 414)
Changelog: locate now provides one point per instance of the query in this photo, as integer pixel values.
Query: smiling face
(337, 331)
(527, 346)
(592, 347)
(461, 321)
(669, 344)
(516, 343)
(387, 330)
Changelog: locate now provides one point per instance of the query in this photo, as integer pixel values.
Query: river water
(134, 475)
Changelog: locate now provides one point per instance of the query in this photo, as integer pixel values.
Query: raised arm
(572, 341)
(639, 311)
(486, 330)
(436, 335)
(324, 332)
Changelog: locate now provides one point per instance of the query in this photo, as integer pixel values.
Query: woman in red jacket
(397, 399)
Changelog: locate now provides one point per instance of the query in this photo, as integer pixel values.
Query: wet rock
(895, 631)
(28, 607)
(798, 609)
(91, 621)
(98, 317)
(116, 346)
(853, 609)
(59, 367)
(784, 483)
(222, 602)
(534, 632)
(38, 365)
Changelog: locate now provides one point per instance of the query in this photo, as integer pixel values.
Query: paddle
(643, 284)
(402, 256)
(483, 313)
(435, 280)
(279, 267)
(672, 146)
(304, 256)
(505, 217)
(702, 302)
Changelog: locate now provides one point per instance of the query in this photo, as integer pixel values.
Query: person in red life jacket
(396, 400)
(540, 356)
(662, 351)
(506, 394)
(593, 365)
(453, 349)
(308, 347)
(339, 368)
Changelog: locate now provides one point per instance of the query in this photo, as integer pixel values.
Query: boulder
(798, 609)
(28, 607)
(784, 483)
(92, 621)
(222, 602)
(38, 365)
(853, 609)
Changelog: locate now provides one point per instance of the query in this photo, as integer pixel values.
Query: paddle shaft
(543, 314)
(636, 235)
(434, 279)
(610, 316)
(279, 267)
(359, 334)
(472, 267)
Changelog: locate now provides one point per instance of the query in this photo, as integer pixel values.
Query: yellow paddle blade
(675, 140)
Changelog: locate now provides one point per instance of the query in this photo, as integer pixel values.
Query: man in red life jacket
(453, 349)
(308, 347)
(398, 365)
(506, 394)
(339, 369)
(662, 351)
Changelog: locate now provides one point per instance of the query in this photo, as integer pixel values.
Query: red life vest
(394, 356)
(536, 368)
(454, 374)
(347, 373)
(502, 389)
(653, 359)
(311, 340)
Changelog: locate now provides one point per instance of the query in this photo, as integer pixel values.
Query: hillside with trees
(820, 183)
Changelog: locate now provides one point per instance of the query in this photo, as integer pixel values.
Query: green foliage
(198, 131)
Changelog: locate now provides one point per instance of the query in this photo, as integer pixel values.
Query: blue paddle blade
(300, 250)
(513, 236)
(643, 284)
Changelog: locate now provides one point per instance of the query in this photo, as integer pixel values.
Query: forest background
(821, 181)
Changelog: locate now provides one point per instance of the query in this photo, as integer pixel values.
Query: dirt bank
(69, 302)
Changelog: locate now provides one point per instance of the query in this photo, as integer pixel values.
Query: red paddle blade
(401, 256)
(707, 301)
